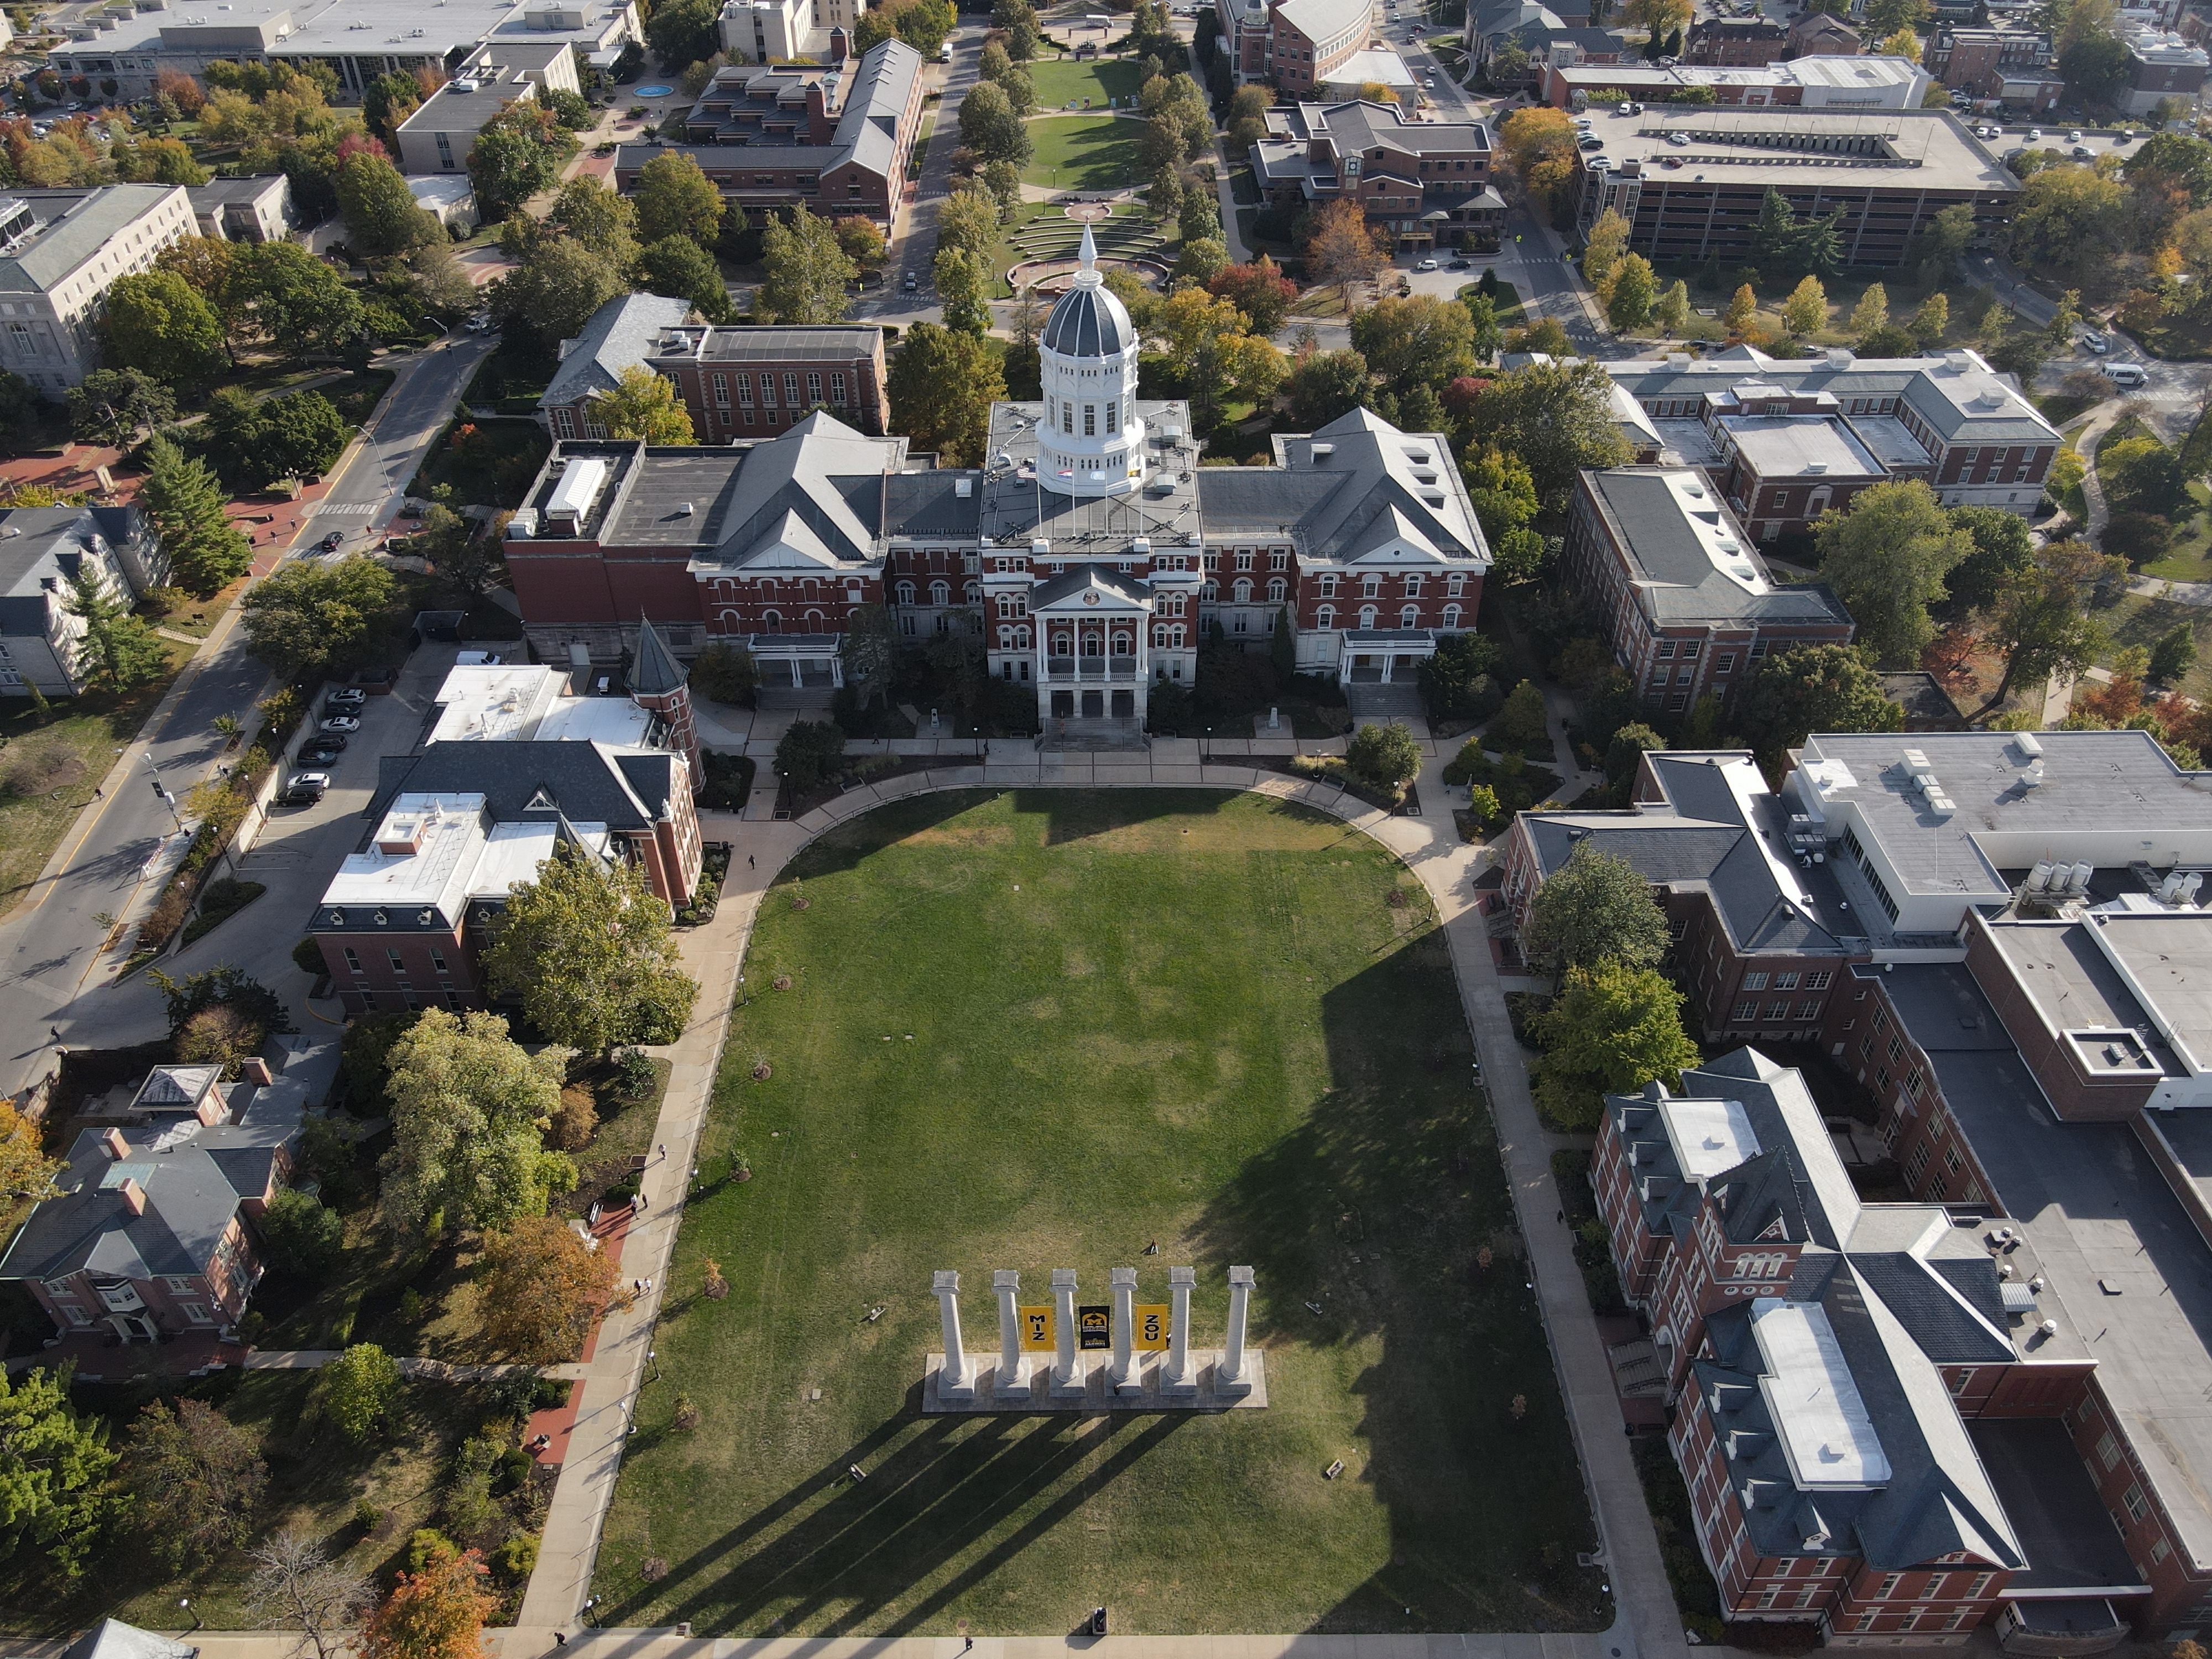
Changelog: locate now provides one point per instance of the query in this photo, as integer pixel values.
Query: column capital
(942, 1280)
(1240, 1275)
(1183, 1275)
(1063, 1279)
(1118, 1277)
(1005, 1278)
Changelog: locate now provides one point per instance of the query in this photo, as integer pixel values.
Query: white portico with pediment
(1093, 643)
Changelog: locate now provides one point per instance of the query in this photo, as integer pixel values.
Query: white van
(944, 52)
(2125, 373)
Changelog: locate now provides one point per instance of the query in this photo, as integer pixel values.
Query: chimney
(117, 1148)
(134, 1195)
(254, 1069)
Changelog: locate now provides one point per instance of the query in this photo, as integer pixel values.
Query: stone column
(955, 1378)
(1120, 1374)
(1178, 1379)
(1229, 1375)
(1011, 1384)
(1065, 1377)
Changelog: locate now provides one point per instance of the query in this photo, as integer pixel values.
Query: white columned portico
(1010, 1384)
(955, 1378)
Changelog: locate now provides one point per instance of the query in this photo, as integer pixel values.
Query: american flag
(1065, 472)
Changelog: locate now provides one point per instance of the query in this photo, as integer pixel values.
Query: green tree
(379, 209)
(386, 102)
(1929, 322)
(1595, 906)
(2071, 219)
(1603, 248)
(1630, 743)
(810, 279)
(2173, 655)
(684, 32)
(725, 673)
(1808, 689)
(311, 617)
(1326, 384)
(301, 303)
(806, 753)
(357, 1393)
(115, 650)
(589, 952)
(992, 127)
(194, 1479)
(1634, 291)
(159, 161)
(2141, 475)
(1872, 313)
(1670, 313)
(1420, 340)
(519, 151)
(54, 1466)
(1500, 486)
(969, 220)
(111, 406)
(963, 288)
(679, 268)
(1558, 417)
(942, 384)
(675, 198)
(586, 211)
(183, 503)
(469, 1106)
(1806, 307)
(1385, 756)
(643, 404)
(2040, 623)
(441, 286)
(1887, 559)
(554, 292)
(156, 322)
(304, 1236)
(304, 434)
(2002, 547)
(2020, 352)
(1612, 1030)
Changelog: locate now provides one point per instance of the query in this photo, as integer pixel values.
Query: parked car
(1678, 139)
(911, 283)
(477, 660)
(323, 751)
(481, 323)
(307, 788)
(2035, 135)
(345, 697)
(1461, 264)
(1426, 264)
(341, 723)
(2074, 136)
(1600, 164)
(1625, 109)
(2093, 341)
(2082, 153)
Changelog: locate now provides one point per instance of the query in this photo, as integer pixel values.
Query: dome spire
(1090, 251)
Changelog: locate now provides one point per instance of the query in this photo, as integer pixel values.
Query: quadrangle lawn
(1045, 1028)
(1084, 152)
(1060, 82)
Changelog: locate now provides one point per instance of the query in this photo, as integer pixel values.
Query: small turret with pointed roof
(661, 685)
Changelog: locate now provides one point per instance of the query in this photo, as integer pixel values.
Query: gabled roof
(1383, 471)
(584, 781)
(620, 334)
(111, 1639)
(814, 496)
(1121, 593)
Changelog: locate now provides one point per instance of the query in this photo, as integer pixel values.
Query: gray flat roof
(2069, 1540)
(1786, 445)
(1908, 149)
(2118, 1253)
(780, 345)
(74, 225)
(448, 110)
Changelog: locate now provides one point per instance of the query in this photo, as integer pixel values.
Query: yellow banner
(1038, 1329)
(1151, 1326)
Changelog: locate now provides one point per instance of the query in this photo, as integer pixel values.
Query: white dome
(1089, 321)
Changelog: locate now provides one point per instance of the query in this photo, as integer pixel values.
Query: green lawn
(2140, 619)
(1061, 81)
(1083, 152)
(1034, 1029)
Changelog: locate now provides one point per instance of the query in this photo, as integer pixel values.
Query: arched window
(906, 593)
(1176, 639)
(1409, 617)
(1209, 593)
(1243, 589)
(1093, 645)
(940, 592)
(771, 622)
(1061, 646)
(1125, 645)
(1451, 616)
(733, 620)
(814, 621)
(1325, 617)
(1005, 639)
(1367, 616)
(1022, 639)
(1160, 636)
(972, 593)
(1277, 587)
(806, 588)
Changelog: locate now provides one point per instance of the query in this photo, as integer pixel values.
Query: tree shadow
(1071, 815)
(1385, 1217)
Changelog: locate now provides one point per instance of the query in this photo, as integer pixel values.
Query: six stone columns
(956, 1379)
(1011, 1384)
(1178, 1379)
(1229, 1375)
(1066, 1378)
(1119, 1376)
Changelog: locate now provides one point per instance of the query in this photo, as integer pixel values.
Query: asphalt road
(49, 947)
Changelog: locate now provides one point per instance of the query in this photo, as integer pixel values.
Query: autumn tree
(942, 384)
(437, 1613)
(1806, 307)
(469, 1106)
(543, 1289)
(25, 1169)
(2040, 623)
(194, 1478)
(1537, 145)
(1741, 317)
(1594, 906)
(296, 1586)
(589, 951)
(643, 404)
(1341, 249)
(1886, 558)
(1259, 289)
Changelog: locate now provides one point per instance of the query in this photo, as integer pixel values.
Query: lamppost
(162, 790)
(186, 1603)
(653, 1355)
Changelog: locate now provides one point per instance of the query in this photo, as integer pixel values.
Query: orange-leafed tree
(1341, 249)
(545, 1288)
(436, 1613)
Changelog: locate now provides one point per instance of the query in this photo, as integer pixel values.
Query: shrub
(425, 1545)
(1385, 756)
(303, 1237)
(808, 752)
(517, 1558)
(1482, 803)
(309, 955)
(1521, 723)
(575, 1120)
(222, 1034)
(727, 674)
(634, 1073)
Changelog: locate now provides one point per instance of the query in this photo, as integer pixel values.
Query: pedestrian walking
(662, 1151)
(751, 864)
(970, 1647)
(560, 1638)
(56, 1031)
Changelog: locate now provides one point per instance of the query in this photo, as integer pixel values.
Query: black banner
(1093, 1325)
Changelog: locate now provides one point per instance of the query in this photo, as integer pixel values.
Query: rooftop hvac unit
(2017, 1298)
(2028, 744)
(2038, 879)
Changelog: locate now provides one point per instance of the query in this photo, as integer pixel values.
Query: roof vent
(963, 487)
(1039, 547)
(1321, 452)
(1140, 544)
(687, 509)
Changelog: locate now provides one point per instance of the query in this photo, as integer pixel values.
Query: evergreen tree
(117, 651)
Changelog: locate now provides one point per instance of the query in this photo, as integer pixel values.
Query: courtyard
(1049, 1028)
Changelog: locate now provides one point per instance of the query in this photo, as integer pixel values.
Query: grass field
(1042, 1029)
(1083, 152)
(1060, 82)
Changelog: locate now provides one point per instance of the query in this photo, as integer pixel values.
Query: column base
(1093, 1391)
(950, 1386)
(1010, 1384)
(1078, 1385)
(1183, 1387)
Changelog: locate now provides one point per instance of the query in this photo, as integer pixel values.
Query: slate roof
(1076, 578)
(654, 674)
(74, 225)
(1674, 578)
(50, 544)
(1382, 470)
(620, 334)
(1717, 830)
(587, 782)
(1087, 321)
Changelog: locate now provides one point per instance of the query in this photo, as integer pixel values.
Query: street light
(162, 790)
(653, 1355)
(186, 1603)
